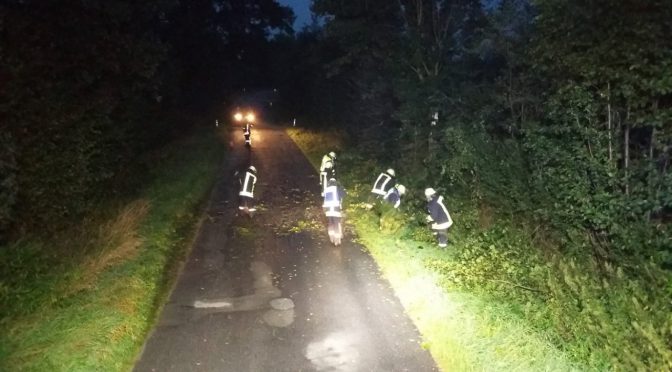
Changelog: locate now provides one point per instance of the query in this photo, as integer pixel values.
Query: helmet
(401, 189)
(252, 168)
(390, 171)
(332, 181)
(332, 155)
(429, 192)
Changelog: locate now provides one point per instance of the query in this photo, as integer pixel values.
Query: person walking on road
(247, 130)
(393, 195)
(247, 181)
(438, 215)
(333, 204)
(327, 169)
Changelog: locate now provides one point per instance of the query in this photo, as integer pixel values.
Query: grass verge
(462, 330)
(84, 300)
(507, 294)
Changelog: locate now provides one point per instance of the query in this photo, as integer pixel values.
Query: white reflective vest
(248, 185)
(247, 128)
(327, 163)
(379, 187)
(332, 203)
(331, 197)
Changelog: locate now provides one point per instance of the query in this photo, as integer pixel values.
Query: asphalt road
(257, 295)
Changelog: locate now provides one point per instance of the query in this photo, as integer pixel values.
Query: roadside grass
(85, 299)
(315, 144)
(464, 331)
(507, 294)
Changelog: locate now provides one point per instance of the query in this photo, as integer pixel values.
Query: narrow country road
(259, 295)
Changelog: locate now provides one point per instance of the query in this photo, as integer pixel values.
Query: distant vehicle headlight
(238, 116)
(250, 117)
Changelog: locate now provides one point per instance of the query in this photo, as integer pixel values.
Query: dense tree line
(579, 93)
(557, 112)
(87, 86)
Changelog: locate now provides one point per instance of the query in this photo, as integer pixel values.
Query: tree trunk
(652, 186)
(611, 155)
(626, 150)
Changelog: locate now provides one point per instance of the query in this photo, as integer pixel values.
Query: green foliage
(463, 331)
(75, 81)
(91, 85)
(8, 184)
(605, 65)
(604, 316)
(361, 46)
(84, 299)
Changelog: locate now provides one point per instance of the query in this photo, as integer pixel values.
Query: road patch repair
(265, 296)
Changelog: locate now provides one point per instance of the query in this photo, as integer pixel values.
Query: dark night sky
(301, 9)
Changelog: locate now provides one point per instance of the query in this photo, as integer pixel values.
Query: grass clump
(85, 298)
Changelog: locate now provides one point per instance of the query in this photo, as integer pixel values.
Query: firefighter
(246, 195)
(384, 183)
(438, 215)
(247, 130)
(327, 169)
(333, 204)
(393, 195)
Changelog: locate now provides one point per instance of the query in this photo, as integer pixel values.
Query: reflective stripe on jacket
(382, 184)
(333, 213)
(439, 213)
(247, 188)
(333, 197)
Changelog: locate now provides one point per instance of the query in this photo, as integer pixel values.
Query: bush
(8, 183)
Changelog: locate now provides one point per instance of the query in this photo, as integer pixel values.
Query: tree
(612, 58)
(90, 85)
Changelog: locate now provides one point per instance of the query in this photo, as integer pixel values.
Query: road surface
(271, 293)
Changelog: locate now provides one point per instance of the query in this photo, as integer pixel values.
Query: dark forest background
(88, 86)
(576, 96)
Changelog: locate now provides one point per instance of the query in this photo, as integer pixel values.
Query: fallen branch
(517, 285)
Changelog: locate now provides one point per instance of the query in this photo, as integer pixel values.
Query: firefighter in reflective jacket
(248, 130)
(333, 204)
(438, 216)
(327, 169)
(393, 195)
(384, 183)
(246, 194)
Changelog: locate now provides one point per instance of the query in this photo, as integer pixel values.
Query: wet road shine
(271, 293)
